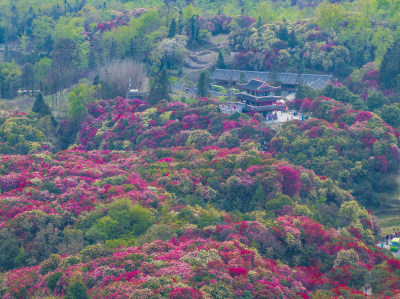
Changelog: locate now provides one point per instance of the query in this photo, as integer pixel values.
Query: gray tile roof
(313, 81)
(249, 97)
(259, 86)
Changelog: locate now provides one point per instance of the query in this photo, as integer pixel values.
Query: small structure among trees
(259, 97)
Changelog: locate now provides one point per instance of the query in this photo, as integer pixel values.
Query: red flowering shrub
(290, 180)
(364, 115)
(237, 271)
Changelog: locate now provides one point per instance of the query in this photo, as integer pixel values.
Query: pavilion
(259, 96)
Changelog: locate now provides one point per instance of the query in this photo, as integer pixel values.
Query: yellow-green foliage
(148, 115)
(22, 135)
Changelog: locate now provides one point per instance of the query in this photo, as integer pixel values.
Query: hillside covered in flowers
(355, 148)
(103, 195)
(179, 201)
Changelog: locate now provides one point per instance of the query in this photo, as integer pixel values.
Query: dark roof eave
(262, 108)
(249, 97)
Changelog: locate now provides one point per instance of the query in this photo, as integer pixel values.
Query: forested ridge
(121, 178)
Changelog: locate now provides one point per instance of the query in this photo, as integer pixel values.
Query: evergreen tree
(292, 39)
(48, 44)
(3, 34)
(259, 22)
(194, 31)
(27, 78)
(172, 29)
(283, 33)
(159, 87)
(20, 258)
(202, 85)
(40, 106)
(220, 61)
(96, 80)
(180, 22)
(390, 66)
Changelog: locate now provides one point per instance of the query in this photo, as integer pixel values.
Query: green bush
(52, 280)
(163, 232)
(278, 203)
(51, 187)
(71, 260)
(124, 241)
(92, 252)
(76, 289)
(113, 181)
(50, 264)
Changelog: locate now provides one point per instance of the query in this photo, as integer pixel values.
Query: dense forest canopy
(49, 45)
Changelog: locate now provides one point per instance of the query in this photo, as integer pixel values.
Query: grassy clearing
(388, 213)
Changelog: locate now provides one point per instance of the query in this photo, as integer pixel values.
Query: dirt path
(206, 57)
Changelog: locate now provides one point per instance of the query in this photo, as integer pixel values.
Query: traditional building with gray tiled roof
(288, 81)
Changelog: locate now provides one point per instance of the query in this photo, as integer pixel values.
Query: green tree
(259, 22)
(41, 31)
(202, 85)
(349, 212)
(390, 114)
(123, 219)
(220, 61)
(9, 250)
(3, 34)
(304, 91)
(52, 280)
(65, 59)
(77, 110)
(194, 32)
(40, 106)
(346, 257)
(292, 40)
(278, 203)
(283, 33)
(343, 94)
(10, 76)
(330, 16)
(172, 29)
(50, 264)
(390, 66)
(382, 39)
(27, 77)
(376, 100)
(77, 289)
(159, 87)
(20, 258)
